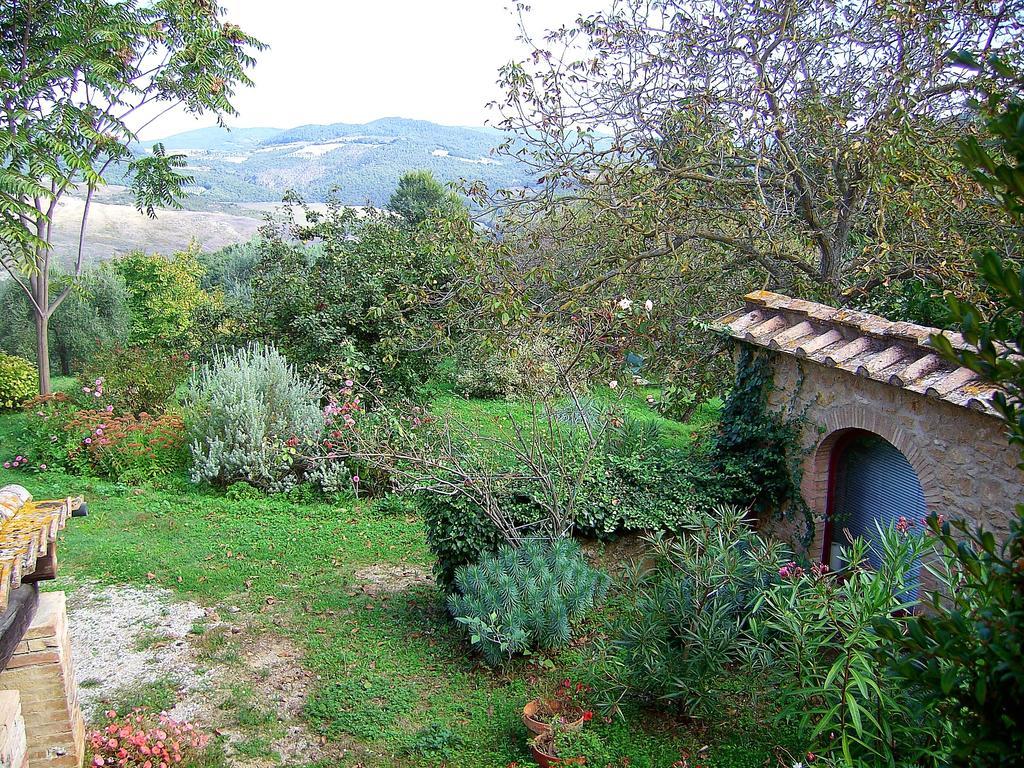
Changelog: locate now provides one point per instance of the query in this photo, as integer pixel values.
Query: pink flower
(110, 409)
(42, 467)
(355, 479)
(88, 441)
(7, 465)
(97, 393)
(97, 760)
(348, 382)
(903, 525)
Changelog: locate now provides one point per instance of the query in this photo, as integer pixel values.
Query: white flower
(625, 304)
(648, 305)
(613, 384)
(798, 765)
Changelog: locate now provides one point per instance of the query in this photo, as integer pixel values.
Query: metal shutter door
(875, 482)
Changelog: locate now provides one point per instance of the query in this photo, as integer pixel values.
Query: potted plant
(570, 746)
(565, 707)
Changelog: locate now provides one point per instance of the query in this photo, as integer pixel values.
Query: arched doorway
(871, 484)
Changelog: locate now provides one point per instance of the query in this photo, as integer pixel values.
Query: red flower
(588, 716)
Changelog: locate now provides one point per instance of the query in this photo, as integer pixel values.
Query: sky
(357, 60)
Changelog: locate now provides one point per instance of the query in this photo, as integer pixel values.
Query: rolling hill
(364, 162)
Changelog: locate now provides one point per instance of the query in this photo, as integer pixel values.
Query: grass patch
(398, 685)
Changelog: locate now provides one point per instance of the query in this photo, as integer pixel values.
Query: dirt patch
(388, 578)
(243, 685)
(615, 556)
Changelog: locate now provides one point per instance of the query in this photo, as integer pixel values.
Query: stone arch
(843, 420)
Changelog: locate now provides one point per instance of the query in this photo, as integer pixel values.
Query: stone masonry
(41, 672)
(839, 371)
(13, 746)
(961, 456)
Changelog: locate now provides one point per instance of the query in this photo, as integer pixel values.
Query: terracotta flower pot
(539, 727)
(539, 747)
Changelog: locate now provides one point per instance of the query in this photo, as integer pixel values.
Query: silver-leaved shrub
(246, 412)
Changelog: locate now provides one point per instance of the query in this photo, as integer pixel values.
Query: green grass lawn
(398, 684)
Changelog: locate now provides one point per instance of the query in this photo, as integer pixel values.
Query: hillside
(115, 229)
(363, 161)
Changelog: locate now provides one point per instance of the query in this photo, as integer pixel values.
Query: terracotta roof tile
(27, 530)
(899, 354)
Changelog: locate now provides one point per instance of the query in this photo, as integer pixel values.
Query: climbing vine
(753, 450)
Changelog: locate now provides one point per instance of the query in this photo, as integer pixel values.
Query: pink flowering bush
(813, 635)
(133, 379)
(95, 441)
(144, 740)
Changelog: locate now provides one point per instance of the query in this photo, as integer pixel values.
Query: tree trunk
(43, 352)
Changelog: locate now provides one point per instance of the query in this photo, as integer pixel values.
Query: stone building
(888, 428)
(40, 720)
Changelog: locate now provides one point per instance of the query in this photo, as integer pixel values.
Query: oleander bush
(246, 414)
(813, 635)
(524, 597)
(19, 381)
(682, 623)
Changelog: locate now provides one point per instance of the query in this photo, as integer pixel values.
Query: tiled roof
(28, 529)
(898, 354)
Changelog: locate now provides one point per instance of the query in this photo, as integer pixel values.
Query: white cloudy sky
(358, 60)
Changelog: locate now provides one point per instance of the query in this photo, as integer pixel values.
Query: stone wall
(13, 745)
(962, 459)
(41, 672)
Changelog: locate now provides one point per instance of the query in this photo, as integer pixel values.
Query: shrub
(130, 449)
(48, 441)
(19, 381)
(525, 597)
(134, 379)
(687, 606)
(142, 740)
(814, 636)
(127, 448)
(246, 412)
(459, 533)
(650, 490)
(521, 368)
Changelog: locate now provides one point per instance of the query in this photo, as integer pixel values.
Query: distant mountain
(363, 161)
(217, 139)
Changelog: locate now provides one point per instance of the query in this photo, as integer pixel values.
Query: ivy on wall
(755, 450)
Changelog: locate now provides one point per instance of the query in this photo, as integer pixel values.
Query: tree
(163, 295)
(418, 195)
(346, 295)
(804, 140)
(95, 314)
(79, 80)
